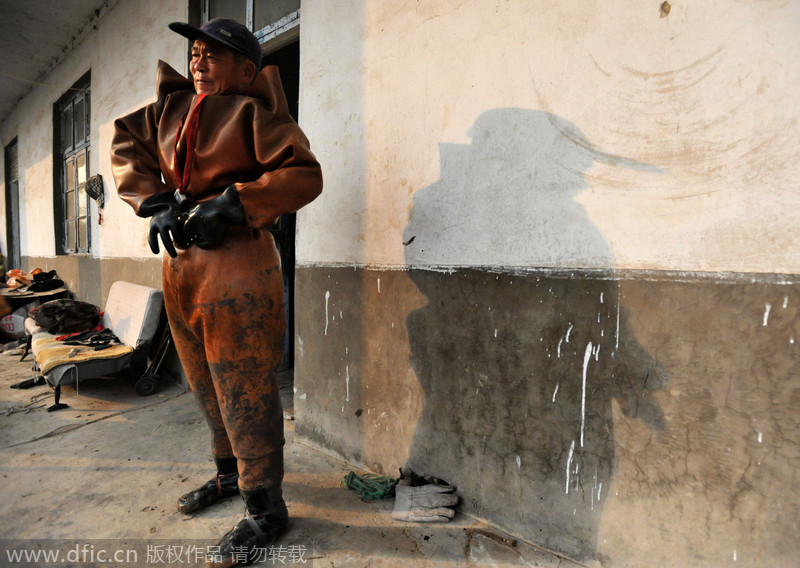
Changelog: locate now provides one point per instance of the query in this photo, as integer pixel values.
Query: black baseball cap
(227, 32)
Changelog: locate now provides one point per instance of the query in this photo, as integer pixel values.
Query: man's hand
(208, 221)
(165, 222)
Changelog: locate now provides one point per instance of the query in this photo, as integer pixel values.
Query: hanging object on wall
(94, 189)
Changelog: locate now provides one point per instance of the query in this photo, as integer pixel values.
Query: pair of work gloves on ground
(423, 499)
(185, 223)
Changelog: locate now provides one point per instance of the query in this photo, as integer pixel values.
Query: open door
(12, 252)
(287, 59)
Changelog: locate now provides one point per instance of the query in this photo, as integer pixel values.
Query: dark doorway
(12, 206)
(287, 59)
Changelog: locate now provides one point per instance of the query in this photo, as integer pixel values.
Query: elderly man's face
(215, 70)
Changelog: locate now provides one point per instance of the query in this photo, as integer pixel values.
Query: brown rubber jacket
(248, 140)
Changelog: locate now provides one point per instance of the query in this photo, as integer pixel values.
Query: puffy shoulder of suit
(268, 87)
(169, 81)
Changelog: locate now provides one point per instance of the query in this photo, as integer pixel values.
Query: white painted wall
(331, 112)
(138, 32)
(554, 133)
(122, 54)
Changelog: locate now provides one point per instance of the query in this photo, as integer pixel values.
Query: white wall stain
(767, 308)
(569, 465)
(379, 285)
(558, 349)
(347, 383)
(555, 392)
(519, 462)
(569, 330)
(785, 302)
(327, 297)
(300, 346)
(586, 356)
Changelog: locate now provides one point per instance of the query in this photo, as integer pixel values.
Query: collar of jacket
(267, 86)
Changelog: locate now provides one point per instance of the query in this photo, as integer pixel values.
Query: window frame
(71, 204)
(274, 32)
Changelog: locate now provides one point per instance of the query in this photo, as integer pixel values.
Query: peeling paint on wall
(586, 356)
(327, 316)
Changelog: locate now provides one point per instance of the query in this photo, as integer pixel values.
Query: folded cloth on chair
(51, 353)
(93, 338)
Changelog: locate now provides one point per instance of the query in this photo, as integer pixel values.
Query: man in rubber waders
(214, 162)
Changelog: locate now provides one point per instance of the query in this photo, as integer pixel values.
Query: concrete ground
(100, 479)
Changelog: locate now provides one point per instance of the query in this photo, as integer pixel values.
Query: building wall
(595, 136)
(553, 265)
(123, 68)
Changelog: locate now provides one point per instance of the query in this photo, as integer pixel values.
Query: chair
(133, 313)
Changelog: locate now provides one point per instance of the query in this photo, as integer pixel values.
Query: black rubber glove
(208, 221)
(166, 221)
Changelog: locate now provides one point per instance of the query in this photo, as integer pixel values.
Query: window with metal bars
(73, 144)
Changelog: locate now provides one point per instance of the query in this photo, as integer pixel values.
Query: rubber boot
(224, 485)
(265, 519)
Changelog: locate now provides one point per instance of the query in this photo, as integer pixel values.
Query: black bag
(66, 316)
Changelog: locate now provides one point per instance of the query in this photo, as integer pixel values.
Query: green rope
(370, 486)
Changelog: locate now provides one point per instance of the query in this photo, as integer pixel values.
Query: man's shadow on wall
(519, 368)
